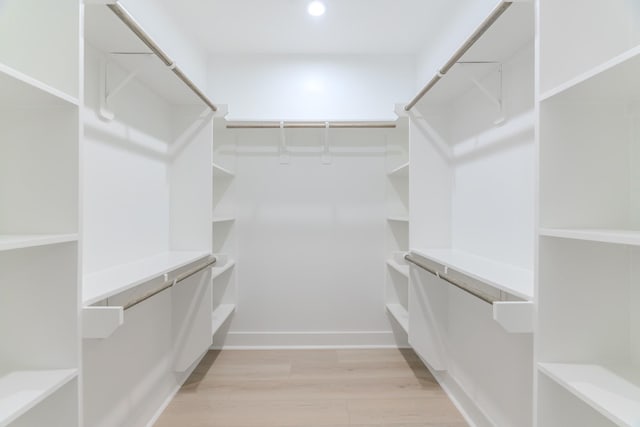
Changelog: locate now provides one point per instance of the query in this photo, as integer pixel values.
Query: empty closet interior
(174, 181)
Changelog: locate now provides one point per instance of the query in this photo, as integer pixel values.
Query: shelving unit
(397, 198)
(39, 179)
(472, 219)
(589, 230)
(224, 224)
(21, 391)
(144, 118)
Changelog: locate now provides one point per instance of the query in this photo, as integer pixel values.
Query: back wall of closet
(310, 230)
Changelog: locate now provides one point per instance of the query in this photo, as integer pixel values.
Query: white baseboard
(162, 407)
(471, 412)
(308, 340)
(167, 401)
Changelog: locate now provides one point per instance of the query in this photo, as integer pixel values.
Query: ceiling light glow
(316, 8)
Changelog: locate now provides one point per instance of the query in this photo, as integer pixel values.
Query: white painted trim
(309, 340)
(470, 411)
(167, 401)
(164, 406)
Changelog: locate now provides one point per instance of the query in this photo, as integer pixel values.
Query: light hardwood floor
(311, 388)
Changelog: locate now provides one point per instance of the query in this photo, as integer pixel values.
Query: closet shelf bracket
(326, 152)
(107, 94)
(283, 150)
(497, 98)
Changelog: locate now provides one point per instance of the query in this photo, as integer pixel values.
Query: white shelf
(613, 392)
(513, 30)
(402, 170)
(106, 283)
(19, 90)
(221, 219)
(218, 271)
(400, 314)
(220, 315)
(402, 269)
(614, 80)
(220, 171)
(19, 241)
(22, 390)
(623, 237)
(398, 218)
(106, 32)
(514, 280)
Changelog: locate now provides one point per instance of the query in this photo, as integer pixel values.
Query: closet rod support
(458, 54)
(170, 283)
(476, 293)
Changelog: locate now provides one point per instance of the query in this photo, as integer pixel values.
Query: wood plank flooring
(311, 388)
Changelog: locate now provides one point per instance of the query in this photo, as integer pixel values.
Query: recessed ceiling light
(316, 8)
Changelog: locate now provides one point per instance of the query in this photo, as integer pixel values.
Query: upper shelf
(613, 81)
(514, 29)
(106, 32)
(103, 284)
(513, 280)
(622, 237)
(20, 91)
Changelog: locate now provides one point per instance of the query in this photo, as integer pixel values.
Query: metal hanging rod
(133, 25)
(310, 125)
(458, 54)
(476, 293)
(169, 283)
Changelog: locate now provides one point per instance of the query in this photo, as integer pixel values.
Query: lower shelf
(22, 390)
(218, 271)
(400, 314)
(613, 392)
(402, 269)
(20, 241)
(220, 315)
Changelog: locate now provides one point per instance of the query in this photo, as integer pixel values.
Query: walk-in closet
(329, 213)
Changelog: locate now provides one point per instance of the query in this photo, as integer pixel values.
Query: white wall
(311, 87)
(493, 202)
(125, 175)
(310, 241)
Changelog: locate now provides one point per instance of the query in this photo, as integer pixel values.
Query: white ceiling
(284, 27)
